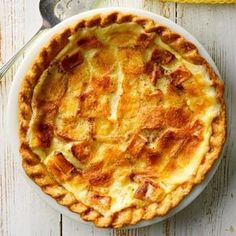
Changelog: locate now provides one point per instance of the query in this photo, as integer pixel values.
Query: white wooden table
(22, 212)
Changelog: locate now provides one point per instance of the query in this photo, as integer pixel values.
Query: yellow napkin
(201, 1)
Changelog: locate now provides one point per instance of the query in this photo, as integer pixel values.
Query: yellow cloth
(201, 1)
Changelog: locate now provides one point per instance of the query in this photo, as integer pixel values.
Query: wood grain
(213, 213)
(210, 213)
(22, 212)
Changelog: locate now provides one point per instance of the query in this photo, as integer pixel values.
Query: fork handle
(7, 65)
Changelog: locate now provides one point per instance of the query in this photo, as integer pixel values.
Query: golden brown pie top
(121, 121)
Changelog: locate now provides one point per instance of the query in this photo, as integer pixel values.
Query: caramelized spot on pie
(157, 73)
(177, 117)
(61, 168)
(103, 84)
(81, 150)
(69, 62)
(100, 179)
(180, 75)
(168, 140)
(149, 67)
(136, 145)
(92, 105)
(191, 143)
(151, 157)
(173, 142)
(142, 190)
(162, 56)
(141, 176)
(44, 133)
(93, 167)
(170, 144)
(155, 119)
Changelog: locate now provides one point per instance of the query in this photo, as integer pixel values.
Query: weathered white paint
(213, 213)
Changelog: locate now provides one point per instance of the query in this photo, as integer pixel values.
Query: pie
(119, 118)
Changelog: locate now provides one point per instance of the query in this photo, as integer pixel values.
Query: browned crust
(38, 172)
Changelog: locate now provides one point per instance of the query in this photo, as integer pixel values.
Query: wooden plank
(214, 212)
(22, 212)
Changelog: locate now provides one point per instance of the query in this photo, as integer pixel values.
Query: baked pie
(119, 118)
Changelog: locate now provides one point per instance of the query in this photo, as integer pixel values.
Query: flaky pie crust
(37, 170)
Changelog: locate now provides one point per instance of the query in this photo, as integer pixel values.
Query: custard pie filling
(120, 119)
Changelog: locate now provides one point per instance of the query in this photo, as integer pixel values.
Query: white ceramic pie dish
(12, 111)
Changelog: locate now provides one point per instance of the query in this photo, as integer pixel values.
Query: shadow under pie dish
(119, 118)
